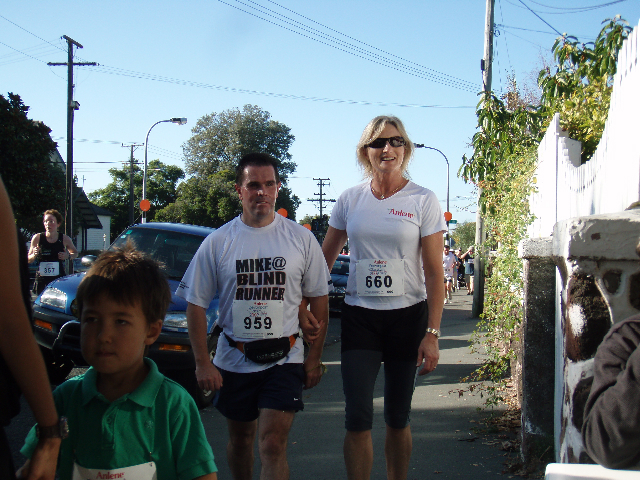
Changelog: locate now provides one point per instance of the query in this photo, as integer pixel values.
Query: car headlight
(339, 290)
(55, 298)
(175, 321)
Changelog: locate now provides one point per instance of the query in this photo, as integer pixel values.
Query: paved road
(445, 444)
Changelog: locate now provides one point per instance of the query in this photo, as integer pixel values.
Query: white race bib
(380, 278)
(144, 471)
(258, 318)
(49, 269)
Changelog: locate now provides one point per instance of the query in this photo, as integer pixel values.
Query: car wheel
(57, 369)
(203, 398)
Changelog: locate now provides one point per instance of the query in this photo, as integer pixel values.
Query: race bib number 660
(258, 318)
(379, 277)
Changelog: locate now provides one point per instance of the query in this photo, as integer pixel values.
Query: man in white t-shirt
(261, 265)
(448, 262)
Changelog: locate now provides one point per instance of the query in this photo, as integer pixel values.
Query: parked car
(339, 277)
(57, 329)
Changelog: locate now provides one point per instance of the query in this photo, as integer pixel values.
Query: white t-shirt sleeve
(315, 281)
(199, 283)
(338, 219)
(432, 216)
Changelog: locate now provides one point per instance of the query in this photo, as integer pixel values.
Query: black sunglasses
(381, 142)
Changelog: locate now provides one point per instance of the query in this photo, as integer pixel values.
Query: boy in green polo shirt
(124, 418)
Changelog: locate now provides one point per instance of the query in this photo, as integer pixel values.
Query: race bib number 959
(258, 318)
(379, 277)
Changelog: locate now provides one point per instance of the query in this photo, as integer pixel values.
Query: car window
(340, 267)
(174, 249)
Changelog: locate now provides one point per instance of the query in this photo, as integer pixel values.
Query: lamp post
(447, 213)
(179, 121)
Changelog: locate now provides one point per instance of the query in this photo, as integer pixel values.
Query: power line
(543, 20)
(30, 33)
(146, 76)
(370, 46)
(576, 9)
(458, 83)
(452, 78)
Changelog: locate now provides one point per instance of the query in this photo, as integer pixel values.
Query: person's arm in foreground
(20, 350)
(208, 376)
(429, 351)
(312, 364)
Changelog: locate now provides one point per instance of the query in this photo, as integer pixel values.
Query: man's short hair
(55, 213)
(256, 160)
(128, 276)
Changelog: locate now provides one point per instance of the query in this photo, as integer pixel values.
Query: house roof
(102, 211)
(83, 207)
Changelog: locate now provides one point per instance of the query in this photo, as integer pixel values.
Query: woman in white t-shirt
(395, 230)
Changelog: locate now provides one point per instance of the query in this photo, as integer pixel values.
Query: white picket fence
(610, 181)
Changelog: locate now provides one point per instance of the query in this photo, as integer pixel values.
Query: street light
(179, 121)
(422, 145)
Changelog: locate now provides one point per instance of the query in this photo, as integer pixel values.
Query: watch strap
(59, 430)
(434, 331)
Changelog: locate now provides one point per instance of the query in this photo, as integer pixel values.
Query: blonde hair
(373, 131)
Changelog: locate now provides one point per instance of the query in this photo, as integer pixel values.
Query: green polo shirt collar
(144, 395)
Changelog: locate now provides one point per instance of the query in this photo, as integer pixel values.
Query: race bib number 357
(49, 269)
(379, 277)
(258, 318)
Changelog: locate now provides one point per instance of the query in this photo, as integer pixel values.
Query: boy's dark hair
(128, 276)
(256, 160)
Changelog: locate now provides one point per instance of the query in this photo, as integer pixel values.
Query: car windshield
(174, 249)
(341, 267)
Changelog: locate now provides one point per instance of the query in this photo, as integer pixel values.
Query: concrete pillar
(537, 353)
(599, 284)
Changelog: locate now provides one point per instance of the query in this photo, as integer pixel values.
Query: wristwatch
(434, 331)
(59, 430)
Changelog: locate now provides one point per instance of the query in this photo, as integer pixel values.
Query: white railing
(610, 181)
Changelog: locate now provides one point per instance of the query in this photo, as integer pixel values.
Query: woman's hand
(429, 352)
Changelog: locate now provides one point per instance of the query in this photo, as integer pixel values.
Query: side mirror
(88, 260)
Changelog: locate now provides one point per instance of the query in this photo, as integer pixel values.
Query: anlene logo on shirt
(400, 213)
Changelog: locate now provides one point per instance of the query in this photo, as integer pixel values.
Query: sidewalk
(443, 424)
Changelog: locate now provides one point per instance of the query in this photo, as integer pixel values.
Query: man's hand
(429, 352)
(310, 326)
(313, 371)
(208, 376)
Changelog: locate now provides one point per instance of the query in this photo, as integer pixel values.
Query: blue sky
(187, 59)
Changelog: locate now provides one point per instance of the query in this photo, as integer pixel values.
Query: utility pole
(71, 106)
(131, 162)
(321, 233)
(321, 200)
(478, 271)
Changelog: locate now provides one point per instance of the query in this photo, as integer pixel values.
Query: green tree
(465, 235)
(580, 87)
(161, 191)
(33, 183)
(218, 142)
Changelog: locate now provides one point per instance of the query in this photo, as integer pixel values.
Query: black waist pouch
(265, 351)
